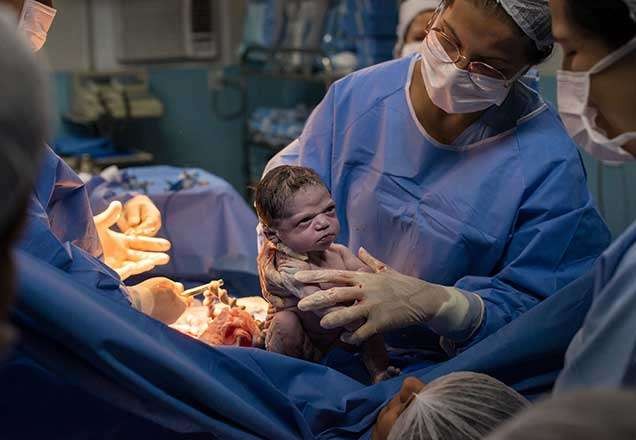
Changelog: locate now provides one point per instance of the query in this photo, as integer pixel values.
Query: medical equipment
(222, 319)
(196, 290)
(120, 95)
(186, 180)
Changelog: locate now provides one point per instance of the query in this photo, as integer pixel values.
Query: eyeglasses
(478, 72)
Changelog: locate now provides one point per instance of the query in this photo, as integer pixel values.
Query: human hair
(276, 189)
(458, 406)
(608, 20)
(581, 415)
(533, 53)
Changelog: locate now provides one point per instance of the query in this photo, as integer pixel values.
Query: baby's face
(312, 224)
(390, 413)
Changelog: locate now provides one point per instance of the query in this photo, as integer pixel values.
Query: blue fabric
(503, 212)
(603, 352)
(210, 225)
(146, 369)
(63, 411)
(78, 146)
(60, 228)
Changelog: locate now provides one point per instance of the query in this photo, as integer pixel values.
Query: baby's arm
(351, 262)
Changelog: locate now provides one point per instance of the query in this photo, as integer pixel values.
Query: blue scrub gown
(603, 352)
(503, 212)
(60, 228)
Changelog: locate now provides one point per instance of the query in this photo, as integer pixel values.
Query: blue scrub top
(503, 212)
(603, 352)
(60, 228)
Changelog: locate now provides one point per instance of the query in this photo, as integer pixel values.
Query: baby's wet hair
(274, 192)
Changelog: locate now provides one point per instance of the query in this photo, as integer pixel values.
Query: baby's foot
(389, 373)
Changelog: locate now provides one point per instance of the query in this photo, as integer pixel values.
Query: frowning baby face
(311, 224)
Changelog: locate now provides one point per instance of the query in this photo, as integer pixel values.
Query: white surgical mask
(579, 116)
(35, 22)
(451, 89)
(410, 48)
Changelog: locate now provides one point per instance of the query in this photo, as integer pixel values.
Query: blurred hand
(140, 217)
(159, 298)
(128, 254)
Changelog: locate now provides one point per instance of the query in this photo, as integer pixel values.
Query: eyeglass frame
(461, 56)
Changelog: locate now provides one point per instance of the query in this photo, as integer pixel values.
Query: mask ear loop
(613, 57)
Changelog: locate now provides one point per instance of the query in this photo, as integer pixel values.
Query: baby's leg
(376, 359)
(287, 336)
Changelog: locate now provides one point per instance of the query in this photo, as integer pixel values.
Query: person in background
(60, 228)
(412, 27)
(597, 101)
(25, 117)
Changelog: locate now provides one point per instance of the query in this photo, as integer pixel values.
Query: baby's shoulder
(289, 264)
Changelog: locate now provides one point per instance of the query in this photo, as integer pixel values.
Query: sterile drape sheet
(140, 366)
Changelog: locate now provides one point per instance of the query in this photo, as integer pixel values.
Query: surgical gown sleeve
(556, 237)
(603, 352)
(60, 230)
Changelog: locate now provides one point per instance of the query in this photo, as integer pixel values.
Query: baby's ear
(270, 234)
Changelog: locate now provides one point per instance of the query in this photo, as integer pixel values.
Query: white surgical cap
(24, 118)
(533, 17)
(408, 11)
(458, 406)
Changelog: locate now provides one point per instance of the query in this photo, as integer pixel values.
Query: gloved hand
(140, 217)
(128, 254)
(159, 298)
(280, 289)
(384, 300)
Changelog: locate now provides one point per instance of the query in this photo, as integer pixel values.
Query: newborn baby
(299, 219)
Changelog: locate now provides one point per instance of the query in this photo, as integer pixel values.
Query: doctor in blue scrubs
(459, 179)
(61, 229)
(597, 99)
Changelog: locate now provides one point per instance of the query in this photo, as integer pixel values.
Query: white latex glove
(140, 217)
(128, 254)
(159, 298)
(280, 289)
(384, 300)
